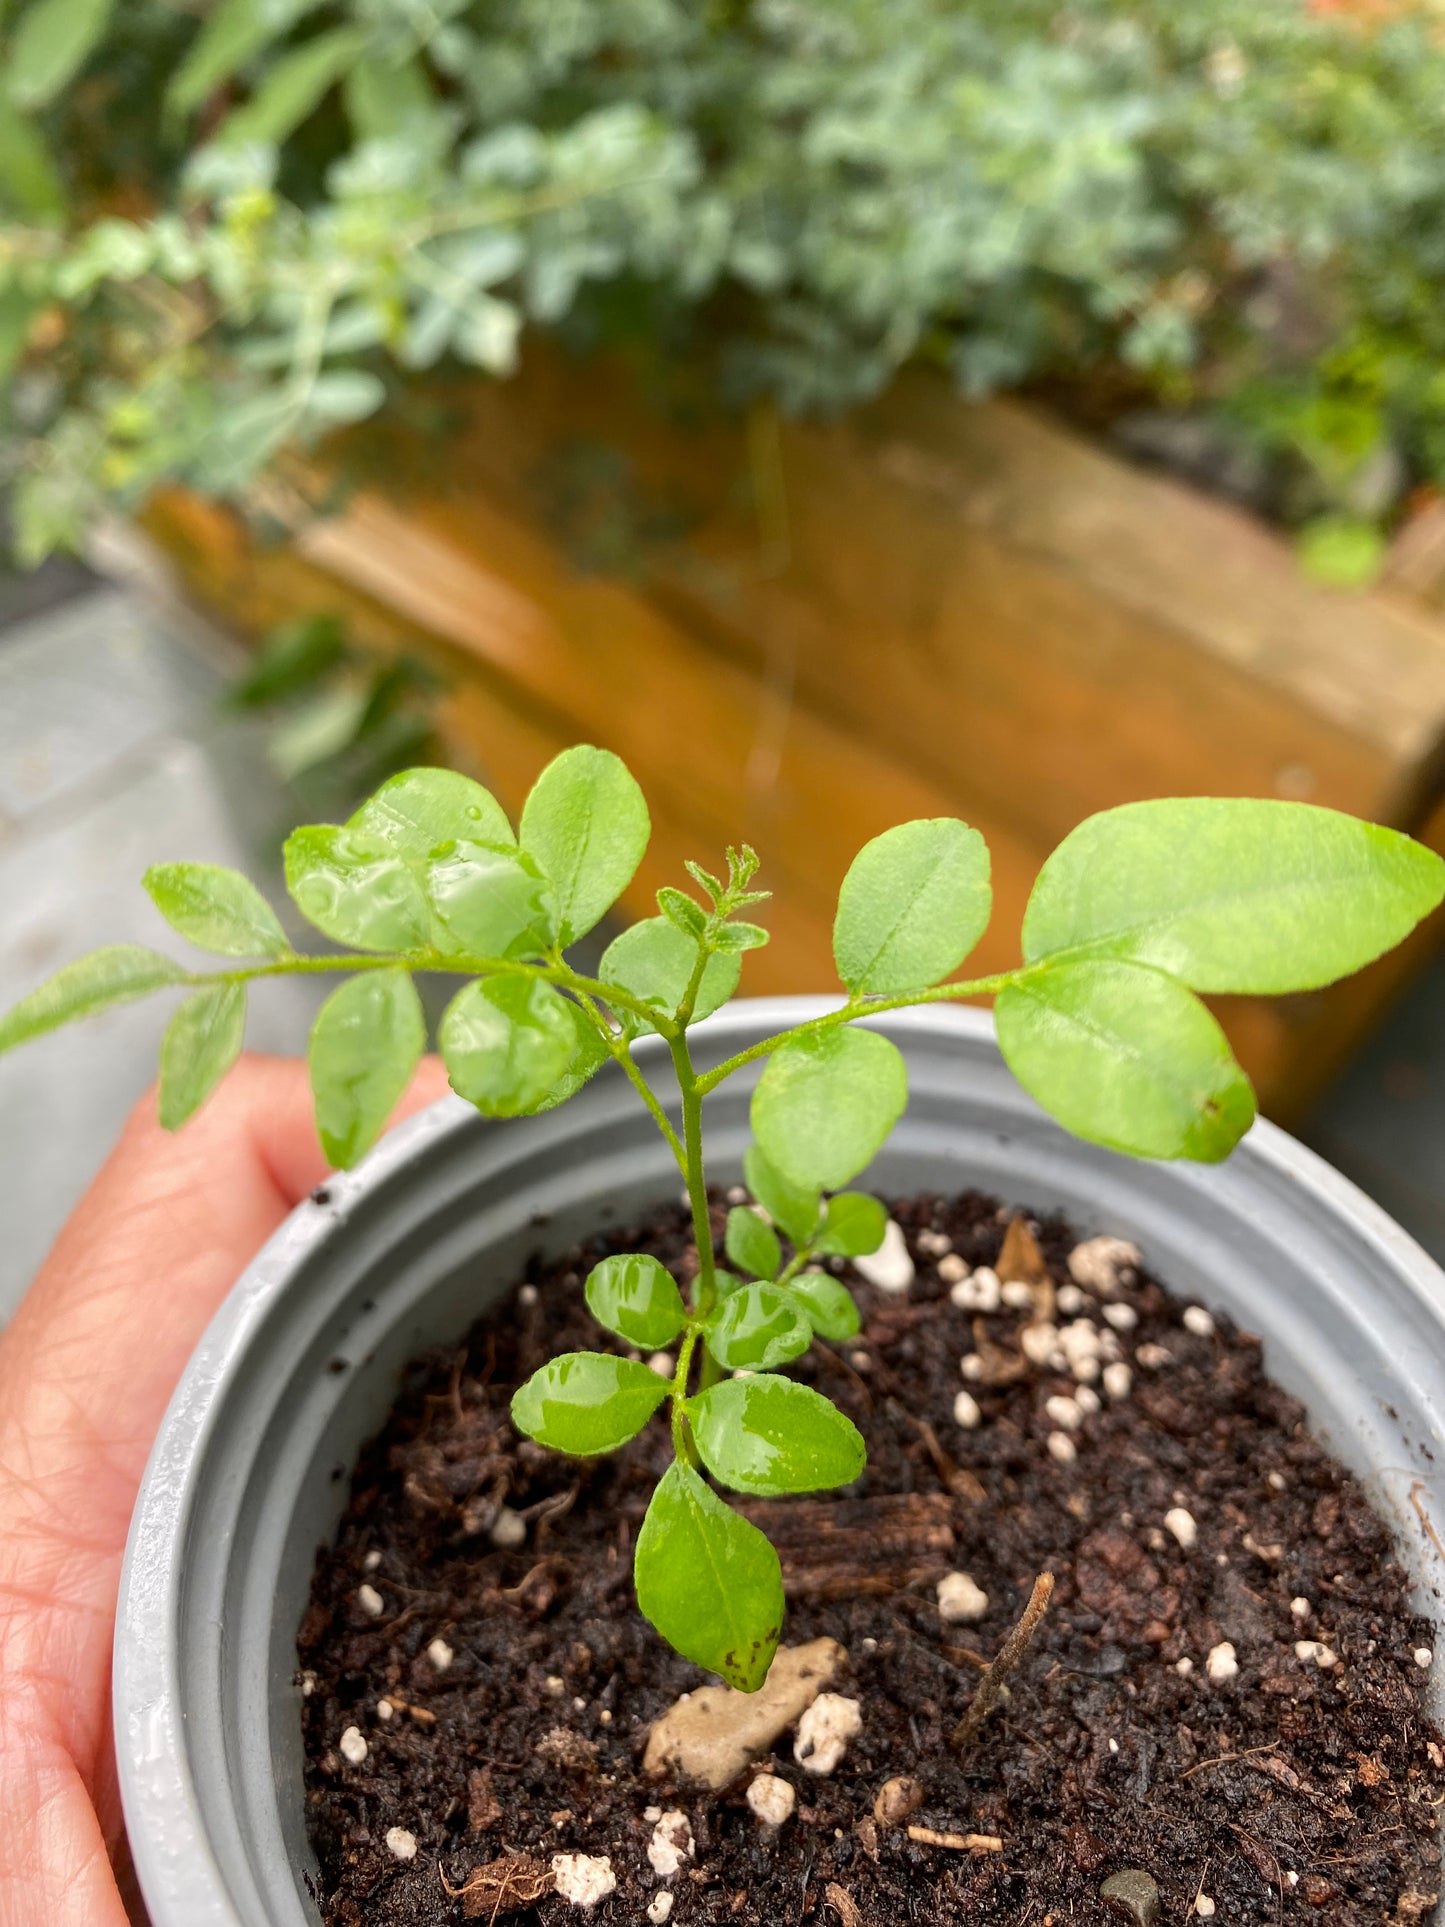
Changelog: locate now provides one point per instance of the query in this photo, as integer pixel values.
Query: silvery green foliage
(226, 235)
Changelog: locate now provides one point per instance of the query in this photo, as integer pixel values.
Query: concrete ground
(115, 753)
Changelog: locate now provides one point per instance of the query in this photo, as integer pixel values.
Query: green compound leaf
(826, 1103)
(202, 1042)
(636, 1297)
(756, 1328)
(854, 1226)
(796, 1208)
(1229, 894)
(1128, 1057)
(751, 1245)
(708, 1581)
(586, 823)
(654, 961)
(216, 909)
(827, 1305)
(679, 908)
(355, 888)
(52, 41)
(365, 1046)
(507, 1043)
(116, 975)
(913, 905)
(419, 810)
(293, 89)
(587, 1403)
(230, 37)
(489, 901)
(732, 939)
(769, 1436)
(589, 1054)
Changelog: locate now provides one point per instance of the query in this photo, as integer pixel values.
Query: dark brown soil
(1285, 1793)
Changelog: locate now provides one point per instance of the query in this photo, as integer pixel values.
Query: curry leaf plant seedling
(1138, 910)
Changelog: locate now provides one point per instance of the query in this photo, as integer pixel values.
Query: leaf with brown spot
(503, 1886)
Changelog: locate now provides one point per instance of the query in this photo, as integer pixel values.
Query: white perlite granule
(1100, 1263)
(370, 1601)
(960, 1601)
(1064, 1412)
(440, 1655)
(400, 1843)
(1223, 1662)
(584, 1879)
(1182, 1524)
(1197, 1320)
(509, 1530)
(966, 1411)
(1062, 1448)
(353, 1745)
(661, 1908)
(890, 1267)
(824, 1732)
(1118, 1380)
(772, 1800)
(671, 1845)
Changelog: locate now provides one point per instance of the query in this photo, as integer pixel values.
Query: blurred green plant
(229, 228)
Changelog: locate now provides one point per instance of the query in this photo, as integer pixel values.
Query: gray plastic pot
(250, 1471)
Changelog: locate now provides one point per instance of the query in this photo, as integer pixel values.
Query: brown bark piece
(854, 1548)
(503, 1886)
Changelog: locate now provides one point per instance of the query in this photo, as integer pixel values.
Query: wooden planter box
(809, 632)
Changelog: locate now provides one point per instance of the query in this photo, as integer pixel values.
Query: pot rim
(163, 1809)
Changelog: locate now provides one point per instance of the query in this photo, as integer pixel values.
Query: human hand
(86, 1370)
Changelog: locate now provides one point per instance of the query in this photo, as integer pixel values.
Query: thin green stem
(793, 1267)
(704, 1295)
(683, 1443)
(620, 1050)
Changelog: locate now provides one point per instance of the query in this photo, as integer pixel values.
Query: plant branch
(620, 1051)
(705, 1289)
(989, 1690)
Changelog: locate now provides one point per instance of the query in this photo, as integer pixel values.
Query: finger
(54, 1866)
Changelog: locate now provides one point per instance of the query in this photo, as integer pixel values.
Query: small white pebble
(353, 1745)
(528, 1295)
(371, 1561)
(1277, 1481)
(737, 1194)
(1062, 1448)
(935, 1244)
(1064, 1412)
(1424, 1657)
(860, 1361)
(1306, 1649)
(663, 1363)
(653, 1814)
(579, 1705)
(671, 1844)
(960, 1600)
(1099, 1264)
(870, 1645)
(1204, 1907)
(1070, 1300)
(660, 1907)
(1182, 1524)
(1291, 1878)
(952, 1269)
(1109, 1347)
(308, 1685)
(370, 1601)
(1118, 1380)
(509, 1530)
(1079, 1342)
(1016, 1294)
(604, 1718)
(771, 1799)
(555, 1687)
(971, 1365)
(1326, 1657)
(1153, 1357)
(385, 1710)
(978, 1291)
(966, 1411)
(1197, 1320)
(400, 1843)
(440, 1655)
(1113, 1746)
(1088, 1401)
(890, 1267)
(583, 1878)
(1300, 1607)
(1184, 1667)
(1039, 1343)
(824, 1732)
(1223, 1662)
(1121, 1316)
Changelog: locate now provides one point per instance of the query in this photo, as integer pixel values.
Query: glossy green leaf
(418, 810)
(52, 41)
(795, 1208)
(854, 1225)
(708, 1581)
(827, 1305)
(1229, 894)
(589, 1054)
(735, 937)
(202, 1042)
(913, 905)
(586, 823)
(115, 975)
(654, 960)
(769, 1435)
(30, 181)
(506, 1043)
(355, 888)
(365, 1046)
(826, 1102)
(489, 901)
(1127, 1056)
(216, 909)
(293, 88)
(757, 1328)
(587, 1403)
(679, 908)
(636, 1297)
(752, 1245)
(231, 35)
